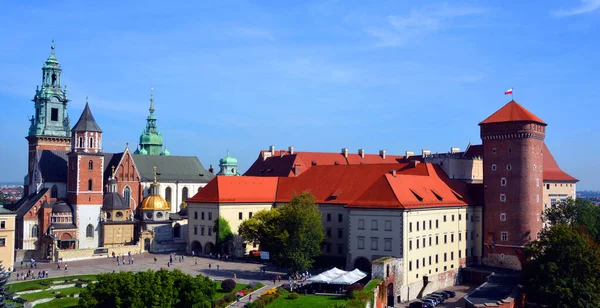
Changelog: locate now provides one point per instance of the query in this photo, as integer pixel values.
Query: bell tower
(49, 128)
(513, 151)
(85, 177)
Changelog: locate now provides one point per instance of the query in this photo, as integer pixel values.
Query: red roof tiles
(552, 171)
(512, 112)
(236, 189)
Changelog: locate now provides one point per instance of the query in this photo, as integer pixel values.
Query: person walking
(65, 267)
(154, 260)
(250, 298)
(58, 266)
(209, 265)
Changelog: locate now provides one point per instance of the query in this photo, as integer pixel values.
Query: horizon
(321, 76)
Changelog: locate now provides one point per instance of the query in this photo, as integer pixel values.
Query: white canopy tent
(338, 276)
(327, 276)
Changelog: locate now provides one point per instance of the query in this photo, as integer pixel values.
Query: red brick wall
(518, 144)
(127, 175)
(80, 176)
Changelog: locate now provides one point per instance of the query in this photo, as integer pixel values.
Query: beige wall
(117, 234)
(558, 191)
(7, 252)
(335, 221)
(470, 170)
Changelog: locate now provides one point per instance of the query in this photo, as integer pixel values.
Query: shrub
(60, 296)
(252, 284)
(353, 287)
(44, 283)
(293, 295)
(230, 297)
(228, 285)
(270, 291)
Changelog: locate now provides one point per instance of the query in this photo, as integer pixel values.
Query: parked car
(416, 305)
(450, 293)
(442, 294)
(439, 298)
(431, 301)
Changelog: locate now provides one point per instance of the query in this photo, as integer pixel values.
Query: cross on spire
(52, 47)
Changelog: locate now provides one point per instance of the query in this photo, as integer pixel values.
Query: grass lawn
(220, 293)
(35, 284)
(308, 301)
(49, 293)
(371, 285)
(67, 302)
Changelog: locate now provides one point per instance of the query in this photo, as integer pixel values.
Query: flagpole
(512, 94)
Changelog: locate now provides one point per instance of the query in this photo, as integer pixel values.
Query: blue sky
(394, 75)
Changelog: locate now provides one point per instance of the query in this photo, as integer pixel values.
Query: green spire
(151, 139)
(228, 165)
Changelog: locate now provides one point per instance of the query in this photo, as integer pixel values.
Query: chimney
(361, 152)
(393, 172)
(272, 149)
(291, 150)
(281, 153)
(408, 154)
(345, 152)
(382, 153)
(454, 150)
(425, 153)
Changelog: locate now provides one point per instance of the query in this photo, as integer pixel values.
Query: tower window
(494, 167)
(91, 145)
(54, 192)
(184, 194)
(54, 114)
(503, 182)
(90, 184)
(168, 195)
(502, 216)
(91, 165)
(534, 167)
(80, 145)
(502, 198)
(537, 198)
(508, 167)
(127, 195)
(89, 231)
(53, 79)
(504, 236)
(509, 150)
(494, 150)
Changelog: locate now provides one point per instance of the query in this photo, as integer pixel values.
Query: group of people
(177, 258)
(32, 275)
(121, 259)
(32, 263)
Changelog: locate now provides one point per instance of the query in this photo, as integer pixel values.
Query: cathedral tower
(151, 141)
(85, 177)
(513, 142)
(49, 128)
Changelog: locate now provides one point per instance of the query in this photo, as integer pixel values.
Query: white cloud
(399, 29)
(586, 6)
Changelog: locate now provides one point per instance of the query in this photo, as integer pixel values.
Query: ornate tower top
(228, 165)
(151, 139)
(51, 118)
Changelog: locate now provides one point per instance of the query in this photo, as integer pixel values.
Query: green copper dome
(143, 152)
(165, 152)
(228, 165)
(151, 139)
(228, 160)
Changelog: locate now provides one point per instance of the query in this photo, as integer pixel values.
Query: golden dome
(155, 203)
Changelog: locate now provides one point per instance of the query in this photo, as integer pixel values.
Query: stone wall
(435, 282)
(390, 271)
(82, 254)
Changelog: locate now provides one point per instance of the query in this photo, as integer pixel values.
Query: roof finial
(227, 152)
(152, 98)
(154, 174)
(52, 47)
(86, 100)
(113, 172)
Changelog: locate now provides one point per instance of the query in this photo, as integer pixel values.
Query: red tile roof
(236, 189)
(282, 163)
(512, 112)
(552, 171)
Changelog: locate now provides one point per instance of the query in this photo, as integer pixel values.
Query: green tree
(149, 289)
(292, 233)
(223, 233)
(562, 268)
(4, 288)
(578, 213)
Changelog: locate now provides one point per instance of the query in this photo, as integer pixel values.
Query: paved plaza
(219, 269)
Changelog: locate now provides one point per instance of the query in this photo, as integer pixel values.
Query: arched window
(89, 231)
(184, 194)
(168, 194)
(177, 231)
(80, 142)
(127, 194)
(91, 145)
(90, 184)
(91, 165)
(54, 192)
(35, 231)
(53, 79)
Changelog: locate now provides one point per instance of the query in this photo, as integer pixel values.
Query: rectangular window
(436, 259)
(195, 230)
(452, 217)
(504, 236)
(472, 235)
(328, 232)
(437, 223)
(388, 225)
(460, 254)
(209, 230)
(210, 216)
(417, 223)
(437, 240)
(374, 241)
(340, 217)
(202, 230)
(201, 215)
(459, 236)
(361, 242)
(445, 238)
(410, 227)
(340, 232)
(467, 216)
(418, 243)
(410, 265)
(429, 260)
(240, 215)
(547, 186)
(328, 217)
(374, 224)
(196, 215)
(2, 224)
(503, 182)
(445, 257)
(452, 238)
(452, 255)
(424, 243)
(340, 248)
(361, 224)
(430, 225)
(410, 245)
(388, 244)
(444, 218)
(417, 263)
(250, 215)
(54, 114)
(430, 240)
(2, 242)
(459, 217)
(423, 225)
(328, 247)
(502, 198)
(502, 216)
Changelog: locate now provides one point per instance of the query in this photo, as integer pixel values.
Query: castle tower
(117, 218)
(151, 142)
(513, 142)
(49, 128)
(228, 165)
(85, 177)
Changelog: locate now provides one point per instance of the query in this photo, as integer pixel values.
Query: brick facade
(40, 143)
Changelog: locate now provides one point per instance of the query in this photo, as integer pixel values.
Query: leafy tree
(292, 233)
(563, 267)
(578, 213)
(149, 289)
(223, 232)
(4, 288)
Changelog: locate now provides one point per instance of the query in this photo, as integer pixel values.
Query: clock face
(148, 215)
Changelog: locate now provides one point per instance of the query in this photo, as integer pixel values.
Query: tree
(223, 232)
(292, 233)
(562, 268)
(578, 213)
(4, 288)
(149, 289)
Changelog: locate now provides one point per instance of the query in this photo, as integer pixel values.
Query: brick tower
(49, 128)
(85, 177)
(513, 142)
